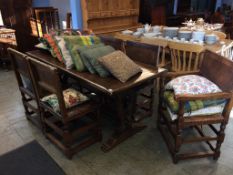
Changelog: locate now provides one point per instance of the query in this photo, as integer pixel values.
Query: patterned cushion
(85, 61)
(74, 42)
(71, 98)
(54, 49)
(192, 84)
(120, 65)
(93, 55)
(190, 106)
(204, 111)
(65, 52)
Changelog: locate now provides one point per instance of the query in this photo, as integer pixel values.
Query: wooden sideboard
(109, 16)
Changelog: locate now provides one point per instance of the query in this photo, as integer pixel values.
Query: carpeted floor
(30, 159)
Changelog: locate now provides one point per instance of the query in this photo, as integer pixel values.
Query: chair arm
(177, 74)
(213, 96)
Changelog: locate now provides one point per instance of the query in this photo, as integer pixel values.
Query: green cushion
(92, 56)
(74, 42)
(189, 106)
(85, 61)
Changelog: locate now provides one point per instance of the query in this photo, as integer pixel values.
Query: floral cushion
(71, 98)
(192, 84)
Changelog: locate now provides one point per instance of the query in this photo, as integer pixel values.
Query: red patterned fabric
(54, 46)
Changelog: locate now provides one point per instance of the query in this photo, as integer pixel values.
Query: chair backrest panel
(185, 56)
(144, 53)
(218, 69)
(46, 79)
(21, 69)
(227, 51)
(117, 44)
(162, 44)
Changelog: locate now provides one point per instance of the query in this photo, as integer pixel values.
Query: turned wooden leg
(221, 136)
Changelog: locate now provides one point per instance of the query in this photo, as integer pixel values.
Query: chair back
(226, 51)
(21, 69)
(220, 35)
(47, 81)
(117, 44)
(144, 53)
(162, 45)
(185, 56)
(218, 69)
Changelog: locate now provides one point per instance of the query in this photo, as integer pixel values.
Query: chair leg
(68, 141)
(221, 136)
(178, 142)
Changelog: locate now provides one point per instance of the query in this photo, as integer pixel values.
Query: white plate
(127, 32)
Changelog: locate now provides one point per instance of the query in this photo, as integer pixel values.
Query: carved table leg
(125, 128)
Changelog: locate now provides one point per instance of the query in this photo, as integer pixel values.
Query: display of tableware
(140, 30)
(198, 35)
(156, 29)
(147, 28)
(218, 25)
(150, 35)
(184, 34)
(170, 32)
(127, 32)
(210, 39)
(137, 34)
(200, 21)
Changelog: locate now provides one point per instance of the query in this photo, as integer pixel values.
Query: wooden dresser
(110, 16)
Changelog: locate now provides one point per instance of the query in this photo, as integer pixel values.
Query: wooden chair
(185, 57)
(219, 34)
(70, 129)
(117, 44)
(162, 44)
(174, 131)
(26, 87)
(147, 54)
(226, 51)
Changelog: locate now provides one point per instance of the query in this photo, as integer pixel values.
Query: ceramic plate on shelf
(152, 34)
(127, 32)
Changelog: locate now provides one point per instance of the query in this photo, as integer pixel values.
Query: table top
(109, 85)
(213, 47)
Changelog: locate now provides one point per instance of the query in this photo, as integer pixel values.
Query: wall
(64, 6)
(229, 2)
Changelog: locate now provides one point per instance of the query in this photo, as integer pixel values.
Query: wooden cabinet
(108, 16)
(16, 15)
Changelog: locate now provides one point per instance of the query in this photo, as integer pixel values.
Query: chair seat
(71, 96)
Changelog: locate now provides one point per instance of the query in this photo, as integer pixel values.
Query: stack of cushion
(192, 85)
(87, 53)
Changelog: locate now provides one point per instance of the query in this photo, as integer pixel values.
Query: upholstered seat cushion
(192, 84)
(92, 56)
(120, 65)
(85, 61)
(190, 106)
(217, 109)
(72, 98)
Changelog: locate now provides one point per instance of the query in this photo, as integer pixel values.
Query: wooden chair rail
(212, 96)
